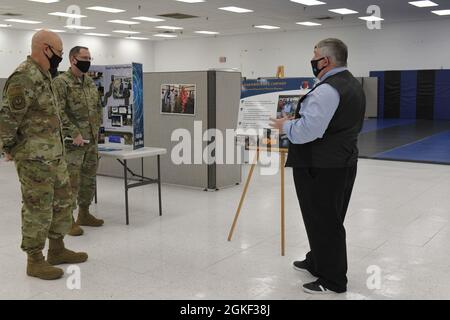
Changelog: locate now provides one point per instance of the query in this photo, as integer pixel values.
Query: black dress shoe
(302, 266)
(317, 288)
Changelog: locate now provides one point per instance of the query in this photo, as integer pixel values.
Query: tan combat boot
(58, 254)
(85, 218)
(75, 230)
(39, 268)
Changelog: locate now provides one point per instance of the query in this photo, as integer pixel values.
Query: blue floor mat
(379, 124)
(434, 149)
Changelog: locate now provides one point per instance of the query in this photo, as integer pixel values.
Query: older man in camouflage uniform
(31, 132)
(82, 115)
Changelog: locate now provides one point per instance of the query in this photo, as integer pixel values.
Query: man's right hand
(8, 157)
(78, 141)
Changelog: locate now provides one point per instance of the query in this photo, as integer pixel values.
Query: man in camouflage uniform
(81, 115)
(31, 133)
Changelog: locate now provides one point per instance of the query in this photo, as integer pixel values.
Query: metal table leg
(159, 185)
(125, 171)
(142, 168)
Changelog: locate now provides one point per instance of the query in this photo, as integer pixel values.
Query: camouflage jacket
(30, 123)
(80, 105)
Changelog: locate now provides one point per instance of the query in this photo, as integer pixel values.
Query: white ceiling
(282, 13)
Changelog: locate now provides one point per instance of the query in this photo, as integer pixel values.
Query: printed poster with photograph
(262, 99)
(178, 99)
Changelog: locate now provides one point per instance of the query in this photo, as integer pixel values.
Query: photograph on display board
(287, 107)
(178, 99)
(121, 87)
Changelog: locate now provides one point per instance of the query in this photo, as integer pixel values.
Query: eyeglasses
(84, 58)
(60, 52)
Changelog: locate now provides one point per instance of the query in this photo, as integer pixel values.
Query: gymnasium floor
(426, 141)
(398, 223)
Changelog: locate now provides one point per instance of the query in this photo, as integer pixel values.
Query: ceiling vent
(10, 14)
(177, 16)
(324, 18)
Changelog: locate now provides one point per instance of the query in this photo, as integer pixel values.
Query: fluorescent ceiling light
(52, 30)
(106, 9)
(23, 21)
(343, 11)
(309, 2)
(423, 4)
(97, 34)
(267, 27)
(77, 27)
(4, 25)
(148, 19)
(236, 9)
(67, 15)
(371, 18)
(309, 24)
(169, 28)
(191, 1)
(441, 12)
(126, 31)
(44, 1)
(136, 38)
(165, 35)
(207, 32)
(124, 22)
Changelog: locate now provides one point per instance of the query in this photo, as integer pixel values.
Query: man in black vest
(323, 154)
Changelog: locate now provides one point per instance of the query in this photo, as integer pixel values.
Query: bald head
(43, 45)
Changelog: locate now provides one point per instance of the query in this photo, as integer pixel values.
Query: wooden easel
(283, 153)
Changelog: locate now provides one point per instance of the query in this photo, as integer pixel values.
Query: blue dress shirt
(316, 112)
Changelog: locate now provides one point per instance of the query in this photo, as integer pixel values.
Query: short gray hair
(334, 49)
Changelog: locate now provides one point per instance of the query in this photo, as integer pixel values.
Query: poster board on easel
(261, 100)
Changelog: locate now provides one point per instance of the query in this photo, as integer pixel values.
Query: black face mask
(55, 60)
(54, 72)
(83, 66)
(315, 66)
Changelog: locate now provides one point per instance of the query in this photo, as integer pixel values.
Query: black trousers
(324, 195)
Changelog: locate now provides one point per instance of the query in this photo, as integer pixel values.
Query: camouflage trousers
(82, 163)
(46, 197)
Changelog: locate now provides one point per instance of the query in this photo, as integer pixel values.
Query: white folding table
(124, 153)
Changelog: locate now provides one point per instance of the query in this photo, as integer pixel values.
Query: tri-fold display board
(121, 93)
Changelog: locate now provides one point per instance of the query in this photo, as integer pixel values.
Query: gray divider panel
(370, 87)
(217, 104)
(159, 127)
(228, 96)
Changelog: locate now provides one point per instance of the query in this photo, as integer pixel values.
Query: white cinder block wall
(412, 45)
(15, 45)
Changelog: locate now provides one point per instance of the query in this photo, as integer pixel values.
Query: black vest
(338, 146)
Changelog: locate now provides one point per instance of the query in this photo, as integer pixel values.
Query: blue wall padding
(408, 94)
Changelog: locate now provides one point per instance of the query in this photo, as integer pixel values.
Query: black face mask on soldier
(315, 66)
(53, 72)
(54, 61)
(83, 66)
